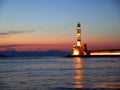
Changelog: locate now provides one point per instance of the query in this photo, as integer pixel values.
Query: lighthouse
(78, 34)
(79, 48)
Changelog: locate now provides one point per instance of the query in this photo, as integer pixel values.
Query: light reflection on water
(59, 73)
(97, 73)
(78, 73)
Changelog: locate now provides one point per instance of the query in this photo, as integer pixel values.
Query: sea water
(58, 73)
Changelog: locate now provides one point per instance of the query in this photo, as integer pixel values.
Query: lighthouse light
(78, 43)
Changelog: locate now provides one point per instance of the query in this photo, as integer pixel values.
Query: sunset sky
(28, 25)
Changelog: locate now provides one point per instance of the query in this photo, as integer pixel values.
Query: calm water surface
(55, 73)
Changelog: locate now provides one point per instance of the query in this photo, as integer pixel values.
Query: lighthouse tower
(78, 34)
(79, 48)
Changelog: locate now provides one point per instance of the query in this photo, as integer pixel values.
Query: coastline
(86, 56)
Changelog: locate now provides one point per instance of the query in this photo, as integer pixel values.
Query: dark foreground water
(54, 73)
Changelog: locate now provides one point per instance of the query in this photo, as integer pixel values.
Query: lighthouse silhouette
(78, 47)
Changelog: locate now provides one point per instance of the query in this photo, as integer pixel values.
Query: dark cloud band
(7, 33)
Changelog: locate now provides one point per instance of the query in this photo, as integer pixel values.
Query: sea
(60, 73)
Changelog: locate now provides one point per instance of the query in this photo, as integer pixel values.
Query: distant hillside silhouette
(13, 53)
(2, 56)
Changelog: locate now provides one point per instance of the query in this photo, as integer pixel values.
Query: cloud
(13, 45)
(4, 34)
(28, 45)
(17, 45)
(32, 47)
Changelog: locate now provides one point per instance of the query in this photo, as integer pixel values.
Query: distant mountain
(34, 53)
(2, 56)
